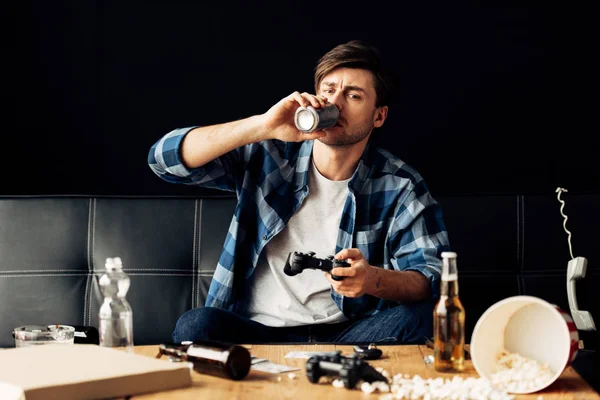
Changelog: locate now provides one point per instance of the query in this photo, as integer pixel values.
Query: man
(329, 192)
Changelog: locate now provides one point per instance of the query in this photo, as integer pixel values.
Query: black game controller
(350, 370)
(298, 262)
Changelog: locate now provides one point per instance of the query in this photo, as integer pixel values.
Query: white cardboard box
(85, 371)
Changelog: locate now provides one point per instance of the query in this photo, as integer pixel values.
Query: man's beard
(348, 138)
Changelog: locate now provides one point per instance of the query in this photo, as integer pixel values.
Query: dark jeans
(407, 324)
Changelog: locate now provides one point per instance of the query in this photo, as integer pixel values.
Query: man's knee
(423, 314)
(196, 324)
(405, 323)
(414, 321)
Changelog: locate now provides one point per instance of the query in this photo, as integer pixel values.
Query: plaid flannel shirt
(389, 213)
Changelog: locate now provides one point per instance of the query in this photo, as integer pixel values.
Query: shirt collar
(304, 163)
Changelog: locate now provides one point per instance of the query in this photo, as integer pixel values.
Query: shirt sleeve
(419, 236)
(165, 161)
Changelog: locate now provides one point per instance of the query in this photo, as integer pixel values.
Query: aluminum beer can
(310, 119)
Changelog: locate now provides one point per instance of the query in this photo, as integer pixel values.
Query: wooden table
(396, 359)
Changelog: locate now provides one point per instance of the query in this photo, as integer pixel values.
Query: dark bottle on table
(449, 320)
(212, 358)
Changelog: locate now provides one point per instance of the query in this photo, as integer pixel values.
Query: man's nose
(337, 99)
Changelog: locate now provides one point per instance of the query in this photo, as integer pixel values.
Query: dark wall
(494, 98)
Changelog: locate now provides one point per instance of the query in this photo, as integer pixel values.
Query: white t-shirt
(281, 300)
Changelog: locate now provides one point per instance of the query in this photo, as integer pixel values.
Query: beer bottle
(449, 320)
(212, 358)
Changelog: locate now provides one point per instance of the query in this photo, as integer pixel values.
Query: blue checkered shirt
(389, 213)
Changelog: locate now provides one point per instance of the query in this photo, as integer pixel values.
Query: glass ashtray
(31, 335)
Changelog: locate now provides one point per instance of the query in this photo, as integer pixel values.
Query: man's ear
(380, 116)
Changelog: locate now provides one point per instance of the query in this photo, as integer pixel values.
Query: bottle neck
(114, 284)
(449, 284)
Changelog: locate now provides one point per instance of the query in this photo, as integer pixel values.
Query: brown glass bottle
(212, 358)
(449, 320)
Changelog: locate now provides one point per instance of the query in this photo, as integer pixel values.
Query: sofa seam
(43, 270)
(91, 258)
(101, 271)
(522, 283)
(194, 252)
(39, 275)
(88, 274)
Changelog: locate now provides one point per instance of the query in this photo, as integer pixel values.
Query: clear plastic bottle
(449, 320)
(115, 316)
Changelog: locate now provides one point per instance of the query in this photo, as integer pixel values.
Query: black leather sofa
(53, 248)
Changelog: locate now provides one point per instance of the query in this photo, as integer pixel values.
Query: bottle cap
(448, 254)
(113, 263)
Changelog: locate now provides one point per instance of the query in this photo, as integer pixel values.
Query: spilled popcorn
(416, 388)
(443, 389)
(516, 374)
(520, 374)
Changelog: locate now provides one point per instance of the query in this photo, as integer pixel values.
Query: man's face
(353, 92)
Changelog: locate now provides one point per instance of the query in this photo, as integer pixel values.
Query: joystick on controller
(298, 262)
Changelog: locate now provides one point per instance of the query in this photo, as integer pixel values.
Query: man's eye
(354, 96)
(327, 90)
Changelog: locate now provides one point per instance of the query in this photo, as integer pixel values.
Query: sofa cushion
(53, 250)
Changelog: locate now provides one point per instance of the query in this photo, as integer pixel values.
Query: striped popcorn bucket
(524, 328)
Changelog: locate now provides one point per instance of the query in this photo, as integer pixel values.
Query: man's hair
(358, 54)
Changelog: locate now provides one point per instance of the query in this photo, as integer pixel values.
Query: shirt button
(265, 237)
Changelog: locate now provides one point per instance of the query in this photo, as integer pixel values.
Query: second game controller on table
(298, 262)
